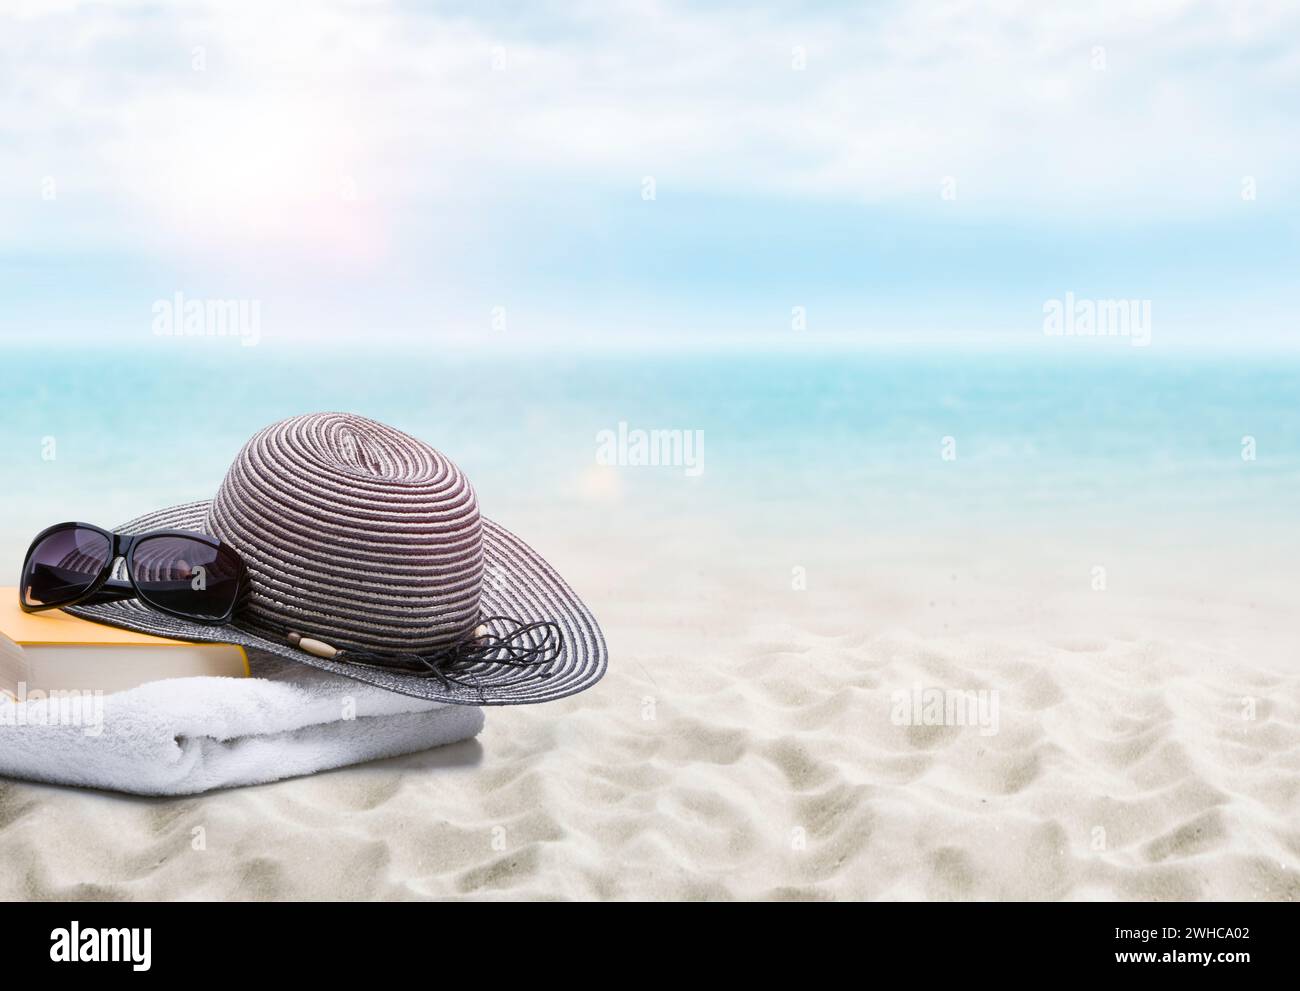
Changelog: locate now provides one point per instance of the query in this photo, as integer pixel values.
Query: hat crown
(353, 532)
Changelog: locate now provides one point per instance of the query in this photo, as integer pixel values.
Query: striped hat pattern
(361, 536)
(353, 533)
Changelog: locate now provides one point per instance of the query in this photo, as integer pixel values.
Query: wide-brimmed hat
(358, 536)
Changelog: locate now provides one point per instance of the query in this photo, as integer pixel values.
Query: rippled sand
(746, 744)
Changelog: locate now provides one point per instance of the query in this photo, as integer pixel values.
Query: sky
(597, 173)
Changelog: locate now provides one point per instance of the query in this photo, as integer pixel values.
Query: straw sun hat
(361, 538)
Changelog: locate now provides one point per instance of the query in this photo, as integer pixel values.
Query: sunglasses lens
(63, 565)
(186, 576)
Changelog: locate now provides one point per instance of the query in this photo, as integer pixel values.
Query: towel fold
(188, 735)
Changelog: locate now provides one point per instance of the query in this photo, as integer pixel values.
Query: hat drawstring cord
(523, 645)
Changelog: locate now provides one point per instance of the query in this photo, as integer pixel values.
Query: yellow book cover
(54, 650)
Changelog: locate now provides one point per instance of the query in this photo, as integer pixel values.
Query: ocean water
(905, 440)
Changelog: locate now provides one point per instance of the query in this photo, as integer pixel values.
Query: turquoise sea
(849, 439)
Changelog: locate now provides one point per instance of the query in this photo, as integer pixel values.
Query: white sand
(742, 745)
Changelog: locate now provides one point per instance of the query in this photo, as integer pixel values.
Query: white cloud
(315, 129)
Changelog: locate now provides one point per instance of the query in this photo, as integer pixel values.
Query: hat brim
(520, 585)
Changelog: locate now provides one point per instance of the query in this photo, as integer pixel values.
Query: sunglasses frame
(108, 589)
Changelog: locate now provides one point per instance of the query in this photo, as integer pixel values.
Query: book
(56, 651)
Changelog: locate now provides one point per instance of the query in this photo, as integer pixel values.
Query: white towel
(188, 735)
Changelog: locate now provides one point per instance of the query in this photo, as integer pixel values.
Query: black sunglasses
(178, 572)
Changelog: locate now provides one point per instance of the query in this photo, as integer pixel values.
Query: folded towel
(187, 735)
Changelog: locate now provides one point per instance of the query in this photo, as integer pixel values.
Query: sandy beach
(748, 742)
